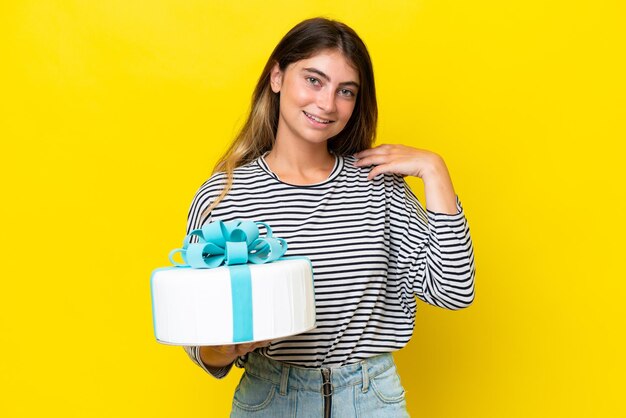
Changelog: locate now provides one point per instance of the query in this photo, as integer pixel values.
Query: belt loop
(366, 377)
(284, 377)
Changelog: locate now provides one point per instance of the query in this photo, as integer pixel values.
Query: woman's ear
(276, 78)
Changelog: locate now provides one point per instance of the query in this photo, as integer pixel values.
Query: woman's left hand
(408, 161)
(401, 159)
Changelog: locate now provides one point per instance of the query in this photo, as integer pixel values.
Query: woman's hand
(409, 161)
(400, 159)
(223, 355)
(237, 350)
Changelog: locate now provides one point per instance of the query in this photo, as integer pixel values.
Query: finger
(259, 344)
(223, 348)
(380, 169)
(227, 350)
(372, 160)
(380, 156)
(243, 348)
(255, 346)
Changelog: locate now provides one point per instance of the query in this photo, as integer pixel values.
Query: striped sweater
(373, 249)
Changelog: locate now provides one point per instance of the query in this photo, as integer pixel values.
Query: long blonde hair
(303, 41)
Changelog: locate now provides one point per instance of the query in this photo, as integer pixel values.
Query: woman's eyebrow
(327, 78)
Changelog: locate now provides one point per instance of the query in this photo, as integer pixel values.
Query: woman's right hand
(223, 355)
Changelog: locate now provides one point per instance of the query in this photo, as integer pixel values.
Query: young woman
(304, 164)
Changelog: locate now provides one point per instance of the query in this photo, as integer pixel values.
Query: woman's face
(317, 97)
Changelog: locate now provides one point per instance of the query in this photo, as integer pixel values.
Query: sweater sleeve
(436, 253)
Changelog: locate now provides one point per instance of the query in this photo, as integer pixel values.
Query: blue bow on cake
(233, 244)
(228, 243)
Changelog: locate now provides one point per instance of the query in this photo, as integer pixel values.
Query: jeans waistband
(289, 376)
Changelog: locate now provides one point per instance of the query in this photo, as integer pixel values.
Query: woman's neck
(300, 165)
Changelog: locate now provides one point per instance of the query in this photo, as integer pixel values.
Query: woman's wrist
(438, 189)
(434, 169)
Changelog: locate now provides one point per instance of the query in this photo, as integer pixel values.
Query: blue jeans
(269, 388)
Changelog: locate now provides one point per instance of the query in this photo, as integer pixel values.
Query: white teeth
(316, 118)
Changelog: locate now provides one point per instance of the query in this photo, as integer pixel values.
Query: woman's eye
(346, 92)
(312, 80)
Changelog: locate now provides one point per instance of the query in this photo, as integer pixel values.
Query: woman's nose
(326, 101)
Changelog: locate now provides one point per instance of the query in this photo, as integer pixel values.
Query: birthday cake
(233, 287)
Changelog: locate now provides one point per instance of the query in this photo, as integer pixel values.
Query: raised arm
(435, 250)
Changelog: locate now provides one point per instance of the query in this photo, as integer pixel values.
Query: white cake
(194, 306)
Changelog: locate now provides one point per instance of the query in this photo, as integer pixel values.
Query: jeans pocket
(253, 394)
(387, 386)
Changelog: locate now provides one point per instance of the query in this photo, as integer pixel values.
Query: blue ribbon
(233, 243)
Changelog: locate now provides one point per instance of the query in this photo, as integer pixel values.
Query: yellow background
(113, 113)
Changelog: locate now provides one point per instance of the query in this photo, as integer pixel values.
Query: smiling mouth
(316, 119)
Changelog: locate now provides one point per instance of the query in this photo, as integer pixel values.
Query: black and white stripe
(372, 247)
